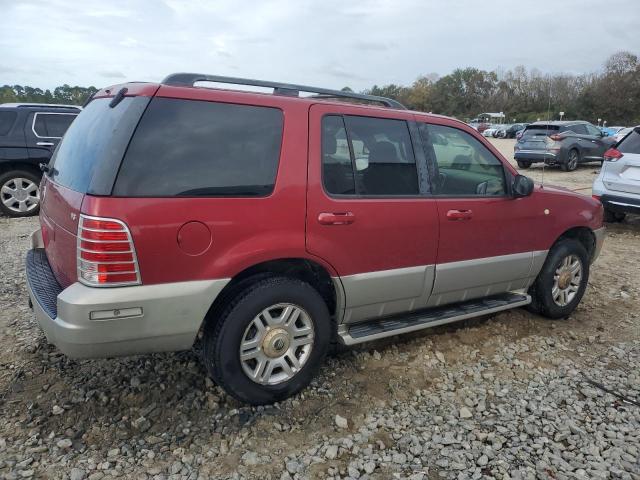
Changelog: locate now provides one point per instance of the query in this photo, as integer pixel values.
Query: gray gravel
(507, 397)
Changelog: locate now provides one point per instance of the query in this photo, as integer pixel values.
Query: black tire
(222, 338)
(573, 159)
(613, 217)
(7, 178)
(541, 290)
(522, 164)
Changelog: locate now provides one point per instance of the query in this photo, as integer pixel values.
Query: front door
(367, 213)
(487, 237)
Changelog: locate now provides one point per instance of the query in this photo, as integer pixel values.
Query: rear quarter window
(200, 148)
(630, 143)
(52, 125)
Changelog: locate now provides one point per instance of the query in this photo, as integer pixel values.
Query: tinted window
(198, 148)
(591, 130)
(533, 130)
(463, 166)
(578, 129)
(337, 169)
(7, 120)
(380, 153)
(52, 125)
(85, 141)
(630, 143)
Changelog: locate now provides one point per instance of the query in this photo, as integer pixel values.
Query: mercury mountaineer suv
(271, 224)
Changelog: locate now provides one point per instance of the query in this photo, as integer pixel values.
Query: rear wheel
(561, 283)
(270, 340)
(613, 217)
(524, 165)
(19, 193)
(573, 158)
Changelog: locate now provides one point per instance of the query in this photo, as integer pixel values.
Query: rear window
(85, 143)
(7, 119)
(630, 143)
(532, 130)
(199, 148)
(52, 125)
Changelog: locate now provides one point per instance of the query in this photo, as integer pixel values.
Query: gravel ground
(511, 396)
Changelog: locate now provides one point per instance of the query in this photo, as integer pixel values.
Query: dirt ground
(159, 417)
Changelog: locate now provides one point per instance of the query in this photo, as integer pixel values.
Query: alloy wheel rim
(20, 195)
(573, 160)
(276, 344)
(566, 281)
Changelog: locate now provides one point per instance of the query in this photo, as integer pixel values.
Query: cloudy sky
(331, 43)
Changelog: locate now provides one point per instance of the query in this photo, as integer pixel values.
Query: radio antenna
(546, 150)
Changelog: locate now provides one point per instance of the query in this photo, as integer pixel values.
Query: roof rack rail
(45, 105)
(287, 89)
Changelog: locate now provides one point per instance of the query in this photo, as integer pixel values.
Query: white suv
(618, 185)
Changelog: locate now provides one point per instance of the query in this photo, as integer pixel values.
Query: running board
(389, 326)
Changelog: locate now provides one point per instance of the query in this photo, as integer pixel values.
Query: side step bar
(389, 326)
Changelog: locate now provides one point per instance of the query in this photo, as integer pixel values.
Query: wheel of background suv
(562, 281)
(270, 340)
(613, 217)
(523, 164)
(19, 193)
(573, 157)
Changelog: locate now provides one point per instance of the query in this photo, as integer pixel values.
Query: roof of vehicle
(48, 106)
(559, 122)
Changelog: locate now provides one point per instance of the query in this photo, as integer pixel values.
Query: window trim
(35, 116)
(423, 187)
(506, 174)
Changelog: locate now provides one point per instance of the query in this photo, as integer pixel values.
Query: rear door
(367, 214)
(597, 144)
(623, 175)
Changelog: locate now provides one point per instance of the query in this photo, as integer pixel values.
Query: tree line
(611, 94)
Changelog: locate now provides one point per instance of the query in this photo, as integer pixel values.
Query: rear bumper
(600, 235)
(86, 322)
(619, 204)
(535, 156)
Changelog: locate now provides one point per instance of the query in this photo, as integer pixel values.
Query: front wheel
(270, 340)
(561, 283)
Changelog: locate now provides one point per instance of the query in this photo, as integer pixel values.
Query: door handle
(459, 215)
(342, 218)
(45, 144)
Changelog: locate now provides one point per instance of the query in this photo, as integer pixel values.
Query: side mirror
(522, 186)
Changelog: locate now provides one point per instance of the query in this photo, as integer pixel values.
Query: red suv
(272, 224)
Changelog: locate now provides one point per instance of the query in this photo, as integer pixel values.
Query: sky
(327, 43)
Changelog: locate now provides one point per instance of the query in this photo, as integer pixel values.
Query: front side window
(52, 125)
(463, 166)
(368, 156)
(200, 148)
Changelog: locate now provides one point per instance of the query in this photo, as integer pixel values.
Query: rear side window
(199, 148)
(578, 129)
(367, 156)
(52, 125)
(630, 143)
(7, 119)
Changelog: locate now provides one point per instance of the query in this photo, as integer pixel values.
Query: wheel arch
(584, 235)
(305, 269)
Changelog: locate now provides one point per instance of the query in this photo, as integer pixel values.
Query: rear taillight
(612, 155)
(556, 137)
(106, 255)
(597, 197)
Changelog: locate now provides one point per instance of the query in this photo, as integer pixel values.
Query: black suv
(29, 133)
(565, 144)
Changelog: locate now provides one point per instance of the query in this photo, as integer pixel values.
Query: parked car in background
(622, 133)
(563, 143)
(510, 131)
(240, 217)
(28, 135)
(489, 132)
(618, 184)
(610, 131)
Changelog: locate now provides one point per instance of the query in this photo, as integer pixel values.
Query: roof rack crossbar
(288, 89)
